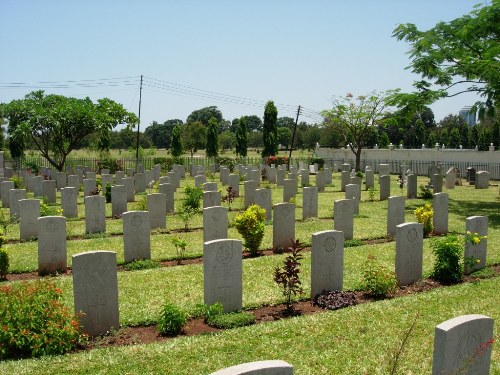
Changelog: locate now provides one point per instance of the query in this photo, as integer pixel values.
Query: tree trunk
(358, 160)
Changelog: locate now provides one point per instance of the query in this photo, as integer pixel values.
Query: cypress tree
(270, 133)
(175, 144)
(212, 140)
(241, 138)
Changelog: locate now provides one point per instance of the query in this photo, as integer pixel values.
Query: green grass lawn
(353, 340)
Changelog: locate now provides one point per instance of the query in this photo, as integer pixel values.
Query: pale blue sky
(292, 52)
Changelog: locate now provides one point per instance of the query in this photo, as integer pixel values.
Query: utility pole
(293, 137)
(138, 128)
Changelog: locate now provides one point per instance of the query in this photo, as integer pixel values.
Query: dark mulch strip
(148, 334)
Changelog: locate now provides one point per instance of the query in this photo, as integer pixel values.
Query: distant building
(468, 116)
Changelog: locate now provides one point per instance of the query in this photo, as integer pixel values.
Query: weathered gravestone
(29, 212)
(89, 185)
(105, 180)
(369, 178)
(395, 214)
(411, 186)
(210, 186)
(479, 225)
(328, 175)
(271, 174)
(263, 198)
(118, 200)
(211, 199)
(462, 345)
(437, 186)
(272, 367)
(355, 180)
(14, 196)
(304, 177)
(280, 176)
(199, 180)
(73, 181)
(5, 187)
(69, 201)
(214, 223)
(95, 214)
(222, 274)
(283, 225)
(37, 186)
(90, 175)
(353, 191)
(224, 175)
(449, 179)
(440, 217)
(169, 191)
(482, 180)
(344, 217)
(345, 177)
(320, 180)
(95, 291)
(385, 187)
(157, 207)
(60, 180)
(49, 190)
(309, 202)
(409, 252)
(129, 186)
(234, 182)
(327, 261)
(136, 237)
(383, 170)
(52, 244)
(289, 189)
(250, 187)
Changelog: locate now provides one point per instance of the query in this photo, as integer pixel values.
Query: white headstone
(479, 225)
(263, 198)
(234, 182)
(29, 212)
(395, 214)
(289, 189)
(214, 223)
(353, 191)
(169, 191)
(385, 187)
(344, 217)
(409, 252)
(411, 186)
(5, 187)
(95, 290)
(283, 225)
(157, 207)
(327, 261)
(52, 244)
(482, 180)
(14, 196)
(222, 273)
(129, 186)
(440, 218)
(309, 202)
(211, 199)
(136, 237)
(89, 185)
(118, 200)
(250, 187)
(95, 214)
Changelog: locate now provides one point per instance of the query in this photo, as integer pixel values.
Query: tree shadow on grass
(466, 209)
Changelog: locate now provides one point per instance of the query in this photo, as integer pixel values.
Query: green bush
(319, 161)
(167, 163)
(227, 162)
(107, 193)
(250, 225)
(207, 312)
(231, 320)
(110, 163)
(425, 192)
(49, 209)
(378, 281)
(141, 264)
(424, 216)
(172, 320)
(193, 198)
(448, 266)
(34, 322)
(4, 263)
(18, 182)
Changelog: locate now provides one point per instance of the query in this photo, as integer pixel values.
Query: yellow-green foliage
(250, 224)
(424, 216)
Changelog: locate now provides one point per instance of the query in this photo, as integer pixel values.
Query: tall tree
(204, 115)
(161, 134)
(270, 133)
(456, 57)
(254, 123)
(58, 124)
(212, 145)
(353, 118)
(241, 137)
(175, 144)
(193, 136)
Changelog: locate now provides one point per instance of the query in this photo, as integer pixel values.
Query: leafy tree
(286, 122)
(310, 136)
(353, 118)
(383, 140)
(212, 145)
(454, 138)
(456, 57)
(161, 134)
(284, 136)
(204, 115)
(234, 125)
(58, 124)
(193, 136)
(419, 133)
(270, 134)
(241, 137)
(227, 140)
(175, 144)
(254, 123)
(255, 139)
(431, 139)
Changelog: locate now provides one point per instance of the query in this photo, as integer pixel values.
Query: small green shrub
(107, 192)
(353, 243)
(172, 320)
(141, 264)
(250, 225)
(424, 216)
(378, 281)
(425, 192)
(371, 194)
(227, 162)
(4, 263)
(319, 161)
(231, 320)
(142, 204)
(180, 248)
(448, 267)
(110, 163)
(288, 276)
(207, 312)
(47, 209)
(34, 322)
(18, 182)
(193, 198)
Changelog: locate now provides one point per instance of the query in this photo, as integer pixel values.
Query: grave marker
(283, 225)
(136, 237)
(409, 252)
(52, 244)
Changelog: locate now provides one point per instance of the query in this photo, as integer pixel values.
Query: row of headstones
(223, 269)
(461, 345)
(52, 252)
(452, 177)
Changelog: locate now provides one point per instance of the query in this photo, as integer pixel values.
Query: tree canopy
(161, 134)
(193, 136)
(456, 57)
(354, 118)
(204, 115)
(58, 124)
